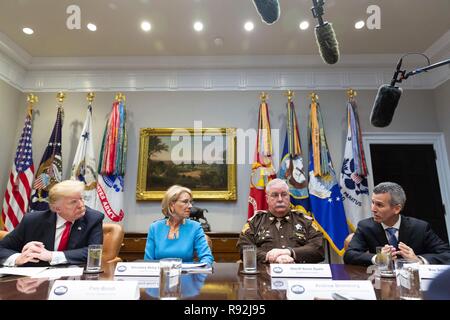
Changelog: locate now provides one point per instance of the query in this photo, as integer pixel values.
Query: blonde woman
(176, 236)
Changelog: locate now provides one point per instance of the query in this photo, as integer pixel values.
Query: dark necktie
(392, 239)
(65, 237)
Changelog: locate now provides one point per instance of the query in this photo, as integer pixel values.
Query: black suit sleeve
(439, 250)
(358, 249)
(13, 242)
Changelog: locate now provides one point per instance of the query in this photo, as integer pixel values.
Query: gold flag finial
(60, 96)
(314, 97)
(263, 96)
(31, 99)
(290, 95)
(90, 97)
(120, 97)
(351, 94)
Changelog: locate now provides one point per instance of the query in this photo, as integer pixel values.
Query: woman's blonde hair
(172, 194)
(63, 189)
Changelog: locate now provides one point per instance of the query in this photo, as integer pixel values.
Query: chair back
(112, 242)
(3, 234)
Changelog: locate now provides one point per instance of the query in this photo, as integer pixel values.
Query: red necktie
(65, 237)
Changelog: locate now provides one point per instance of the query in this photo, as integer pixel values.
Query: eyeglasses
(276, 195)
(186, 202)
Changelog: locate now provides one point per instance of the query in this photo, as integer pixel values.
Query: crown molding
(199, 73)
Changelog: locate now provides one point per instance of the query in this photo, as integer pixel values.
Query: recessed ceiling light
(218, 42)
(303, 25)
(92, 27)
(359, 25)
(198, 26)
(28, 30)
(146, 26)
(249, 26)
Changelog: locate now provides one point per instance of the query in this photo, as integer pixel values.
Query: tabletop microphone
(325, 36)
(269, 10)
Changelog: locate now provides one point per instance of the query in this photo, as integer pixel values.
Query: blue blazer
(191, 239)
(41, 226)
(415, 233)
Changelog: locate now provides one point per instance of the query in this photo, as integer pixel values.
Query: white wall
(442, 102)
(236, 109)
(10, 108)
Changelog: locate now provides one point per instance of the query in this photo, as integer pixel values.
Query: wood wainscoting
(223, 246)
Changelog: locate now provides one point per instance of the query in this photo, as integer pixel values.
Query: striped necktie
(392, 239)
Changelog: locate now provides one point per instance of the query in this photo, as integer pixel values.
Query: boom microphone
(269, 10)
(325, 36)
(386, 101)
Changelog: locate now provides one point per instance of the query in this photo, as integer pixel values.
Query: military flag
(354, 186)
(18, 188)
(112, 160)
(291, 167)
(324, 192)
(50, 169)
(262, 166)
(84, 167)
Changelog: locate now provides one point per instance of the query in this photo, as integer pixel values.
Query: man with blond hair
(60, 235)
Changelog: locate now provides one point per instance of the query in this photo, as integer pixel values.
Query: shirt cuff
(373, 259)
(58, 257)
(424, 261)
(11, 260)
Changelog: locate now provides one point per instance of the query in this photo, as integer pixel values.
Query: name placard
(137, 269)
(300, 270)
(143, 282)
(94, 290)
(330, 290)
(430, 271)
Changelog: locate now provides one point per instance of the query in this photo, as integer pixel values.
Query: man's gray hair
(397, 193)
(276, 181)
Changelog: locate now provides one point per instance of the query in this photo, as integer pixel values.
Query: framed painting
(201, 159)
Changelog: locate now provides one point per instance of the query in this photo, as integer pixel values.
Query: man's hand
(273, 254)
(406, 252)
(284, 259)
(33, 251)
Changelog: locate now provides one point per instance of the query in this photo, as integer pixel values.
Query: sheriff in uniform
(282, 235)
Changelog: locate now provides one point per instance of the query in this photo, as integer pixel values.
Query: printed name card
(330, 290)
(94, 290)
(143, 282)
(146, 269)
(300, 270)
(430, 271)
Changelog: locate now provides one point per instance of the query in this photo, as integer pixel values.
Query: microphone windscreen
(328, 45)
(384, 106)
(269, 10)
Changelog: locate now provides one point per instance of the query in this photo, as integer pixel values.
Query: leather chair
(3, 234)
(112, 242)
(347, 240)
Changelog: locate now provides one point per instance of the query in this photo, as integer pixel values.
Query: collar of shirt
(60, 222)
(396, 225)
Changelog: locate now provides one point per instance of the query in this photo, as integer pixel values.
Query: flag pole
(31, 99)
(90, 97)
(351, 94)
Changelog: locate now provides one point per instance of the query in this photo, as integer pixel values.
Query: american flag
(18, 190)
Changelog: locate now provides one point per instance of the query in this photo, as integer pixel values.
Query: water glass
(408, 279)
(170, 279)
(249, 258)
(385, 265)
(94, 259)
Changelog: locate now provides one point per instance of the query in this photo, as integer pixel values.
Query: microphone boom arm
(401, 75)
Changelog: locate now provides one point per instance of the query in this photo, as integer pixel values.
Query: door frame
(436, 139)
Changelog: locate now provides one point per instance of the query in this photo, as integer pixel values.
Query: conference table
(226, 282)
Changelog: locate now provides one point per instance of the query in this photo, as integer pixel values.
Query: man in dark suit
(60, 235)
(404, 237)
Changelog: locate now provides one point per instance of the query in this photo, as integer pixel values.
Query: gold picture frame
(202, 159)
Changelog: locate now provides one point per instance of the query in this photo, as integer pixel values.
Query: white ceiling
(406, 26)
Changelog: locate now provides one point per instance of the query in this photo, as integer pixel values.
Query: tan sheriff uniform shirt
(295, 231)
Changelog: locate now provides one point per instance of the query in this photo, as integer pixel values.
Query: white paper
(138, 269)
(54, 273)
(94, 290)
(22, 271)
(330, 289)
(430, 271)
(143, 282)
(300, 270)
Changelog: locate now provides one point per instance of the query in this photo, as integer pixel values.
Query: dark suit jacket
(415, 233)
(41, 226)
(439, 288)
